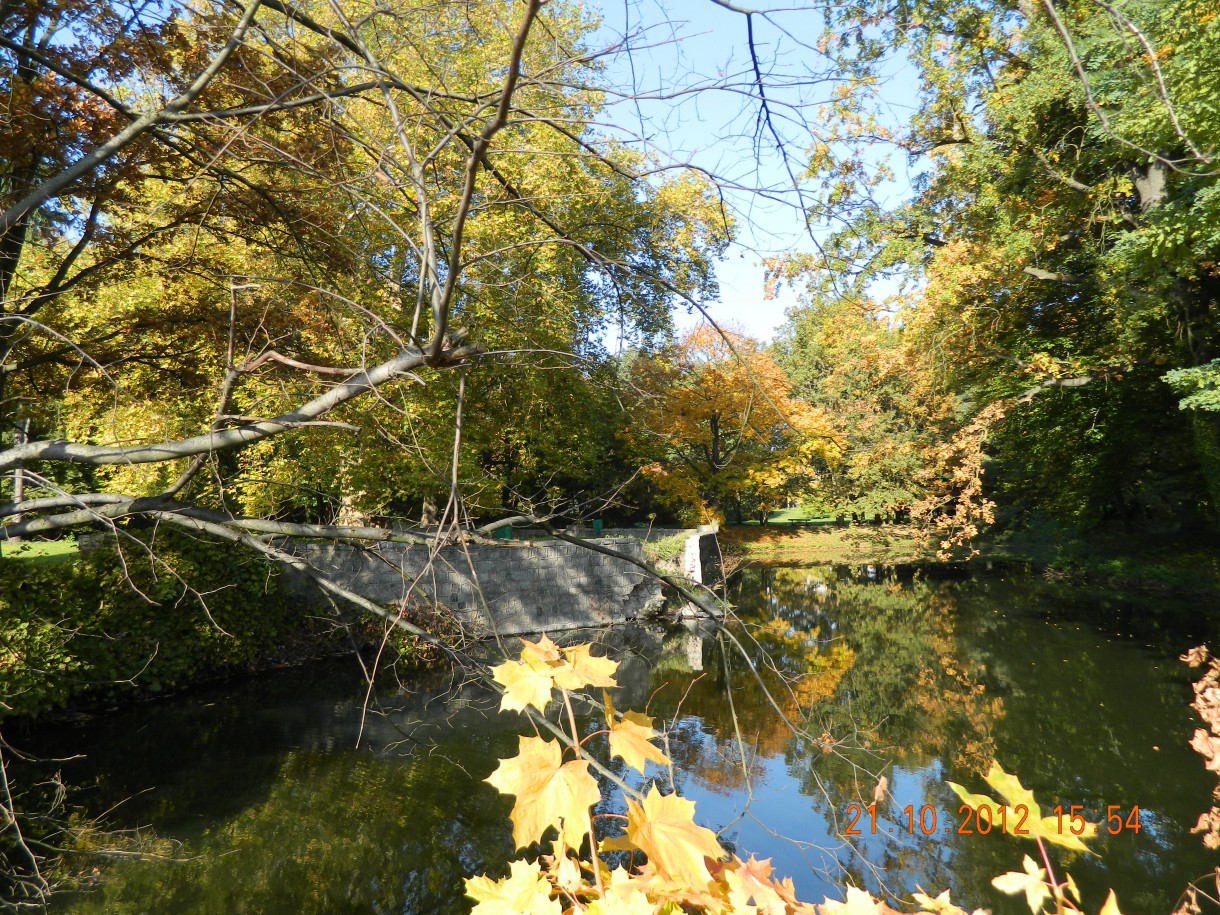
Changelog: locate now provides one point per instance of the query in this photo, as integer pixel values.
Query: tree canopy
(224, 227)
(256, 207)
(720, 433)
(1059, 246)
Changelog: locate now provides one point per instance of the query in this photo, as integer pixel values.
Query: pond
(287, 794)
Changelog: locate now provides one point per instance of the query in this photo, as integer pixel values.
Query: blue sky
(682, 45)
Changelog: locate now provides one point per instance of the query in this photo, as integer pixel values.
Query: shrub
(153, 614)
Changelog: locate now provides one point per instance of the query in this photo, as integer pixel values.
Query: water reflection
(885, 671)
(843, 675)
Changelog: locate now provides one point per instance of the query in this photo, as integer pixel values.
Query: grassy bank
(41, 552)
(829, 543)
(1186, 564)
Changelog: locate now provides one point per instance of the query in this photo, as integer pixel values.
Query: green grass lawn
(824, 543)
(792, 516)
(42, 552)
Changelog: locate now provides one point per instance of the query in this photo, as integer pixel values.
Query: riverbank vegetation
(361, 272)
(168, 612)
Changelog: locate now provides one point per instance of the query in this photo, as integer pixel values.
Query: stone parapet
(507, 588)
(701, 561)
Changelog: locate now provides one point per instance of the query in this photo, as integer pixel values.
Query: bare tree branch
(132, 132)
(98, 455)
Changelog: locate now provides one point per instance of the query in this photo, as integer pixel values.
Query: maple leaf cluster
(674, 864)
(1207, 742)
(685, 867)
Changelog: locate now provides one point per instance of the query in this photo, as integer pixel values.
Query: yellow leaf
(858, 902)
(1071, 887)
(1054, 829)
(566, 871)
(630, 738)
(680, 895)
(749, 884)
(787, 892)
(612, 904)
(1032, 883)
(581, 669)
(940, 904)
(549, 791)
(525, 891)
(664, 829)
(1010, 787)
(624, 895)
(1110, 906)
(541, 653)
(1059, 832)
(523, 685)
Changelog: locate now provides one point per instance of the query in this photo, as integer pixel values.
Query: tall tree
(1063, 233)
(848, 359)
(725, 435)
(251, 254)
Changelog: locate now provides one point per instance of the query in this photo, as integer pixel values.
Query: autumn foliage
(673, 864)
(686, 869)
(719, 430)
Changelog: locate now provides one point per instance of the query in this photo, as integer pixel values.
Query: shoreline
(1170, 566)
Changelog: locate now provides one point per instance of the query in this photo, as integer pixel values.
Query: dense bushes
(163, 610)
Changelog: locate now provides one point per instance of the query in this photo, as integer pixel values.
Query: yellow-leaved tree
(718, 430)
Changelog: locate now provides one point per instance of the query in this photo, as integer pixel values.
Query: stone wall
(512, 587)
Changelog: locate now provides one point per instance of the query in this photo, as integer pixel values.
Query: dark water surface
(270, 804)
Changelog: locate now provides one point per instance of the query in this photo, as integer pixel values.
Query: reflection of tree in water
(874, 661)
(916, 691)
(714, 763)
(871, 674)
(706, 747)
(868, 669)
(317, 843)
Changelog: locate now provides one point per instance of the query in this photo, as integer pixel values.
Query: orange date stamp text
(1016, 820)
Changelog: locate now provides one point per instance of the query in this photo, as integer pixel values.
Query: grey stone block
(530, 587)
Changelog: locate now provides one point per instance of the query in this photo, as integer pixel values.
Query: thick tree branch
(1077, 382)
(67, 501)
(97, 455)
(1062, 178)
(300, 565)
(442, 296)
(1051, 277)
